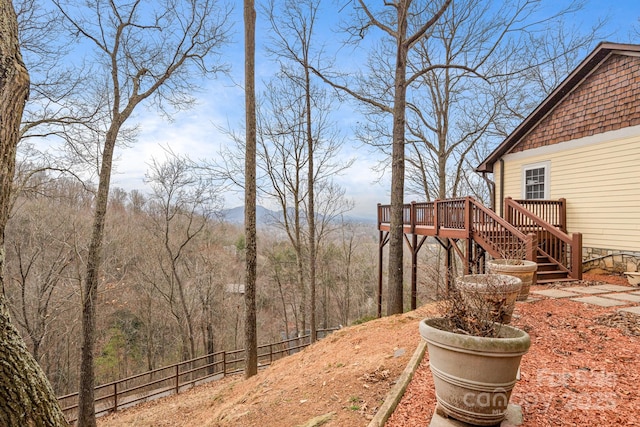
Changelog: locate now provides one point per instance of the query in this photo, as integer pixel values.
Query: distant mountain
(266, 216)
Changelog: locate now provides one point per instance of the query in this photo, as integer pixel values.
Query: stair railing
(497, 236)
(561, 248)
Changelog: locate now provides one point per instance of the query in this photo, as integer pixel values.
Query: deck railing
(495, 234)
(451, 213)
(563, 249)
(423, 213)
(174, 378)
(553, 212)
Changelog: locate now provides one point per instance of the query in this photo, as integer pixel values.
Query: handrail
(498, 236)
(171, 375)
(563, 249)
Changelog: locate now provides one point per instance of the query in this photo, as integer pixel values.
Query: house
(582, 144)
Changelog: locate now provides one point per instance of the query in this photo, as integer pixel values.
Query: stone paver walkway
(601, 295)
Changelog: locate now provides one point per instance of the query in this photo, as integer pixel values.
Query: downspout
(492, 191)
(501, 188)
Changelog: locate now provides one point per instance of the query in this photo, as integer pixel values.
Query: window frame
(546, 166)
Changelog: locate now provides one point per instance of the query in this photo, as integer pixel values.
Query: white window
(535, 181)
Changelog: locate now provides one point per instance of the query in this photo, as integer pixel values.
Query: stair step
(552, 275)
(547, 266)
(547, 281)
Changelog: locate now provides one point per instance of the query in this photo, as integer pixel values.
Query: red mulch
(583, 367)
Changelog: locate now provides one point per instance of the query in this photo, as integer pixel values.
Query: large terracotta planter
(524, 270)
(474, 376)
(492, 296)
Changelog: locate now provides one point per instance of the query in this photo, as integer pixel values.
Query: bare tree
(148, 52)
(29, 399)
(41, 255)
(250, 325)
(512, 55)
(297, 128)
(180, 207)
(404, 23)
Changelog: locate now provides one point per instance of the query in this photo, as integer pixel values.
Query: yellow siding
(601, 182)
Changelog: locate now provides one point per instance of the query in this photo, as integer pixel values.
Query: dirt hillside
(343, 378)
(583, 369)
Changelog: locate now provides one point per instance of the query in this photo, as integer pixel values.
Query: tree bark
(86, 407)
(27, 398)
(250, 328)
(311, 210)
(395, 288)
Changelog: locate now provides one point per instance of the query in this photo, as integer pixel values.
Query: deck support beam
(382, 241)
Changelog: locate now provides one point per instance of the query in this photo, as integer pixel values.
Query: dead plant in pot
(513, 262)
(474, 358)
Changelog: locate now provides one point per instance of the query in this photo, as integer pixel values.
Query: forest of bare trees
(169, 287)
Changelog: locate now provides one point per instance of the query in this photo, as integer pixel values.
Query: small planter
(633, 277)
(474, 376)
(524, 270)
(493, 295)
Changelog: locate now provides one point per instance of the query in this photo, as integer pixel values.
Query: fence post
(270, 353)
(177, 378)
(224, 364)
(115, 397)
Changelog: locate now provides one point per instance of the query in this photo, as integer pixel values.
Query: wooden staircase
(550, 272)
(558, 254)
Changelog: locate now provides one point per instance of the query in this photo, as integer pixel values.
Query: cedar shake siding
(608, 99)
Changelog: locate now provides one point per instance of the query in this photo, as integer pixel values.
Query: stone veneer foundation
(610, 260)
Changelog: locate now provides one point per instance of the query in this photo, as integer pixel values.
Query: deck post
(380, 261)
(414, 270)
(576, 256)
(508, 213)
(468, 226)
(448, 265)
(531, 247)
(562, 214)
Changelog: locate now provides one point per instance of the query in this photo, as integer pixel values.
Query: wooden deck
(533, 229)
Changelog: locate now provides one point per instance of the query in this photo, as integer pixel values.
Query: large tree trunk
(395, 286)
(311, 210)
(27, 398)
(250, 326)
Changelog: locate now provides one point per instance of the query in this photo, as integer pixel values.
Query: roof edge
(590, 63)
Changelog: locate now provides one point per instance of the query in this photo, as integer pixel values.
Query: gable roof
(599, 55)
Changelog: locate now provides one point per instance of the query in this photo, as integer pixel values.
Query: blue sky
(195, 132)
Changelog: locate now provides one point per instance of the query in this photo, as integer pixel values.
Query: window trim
(546, 165)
